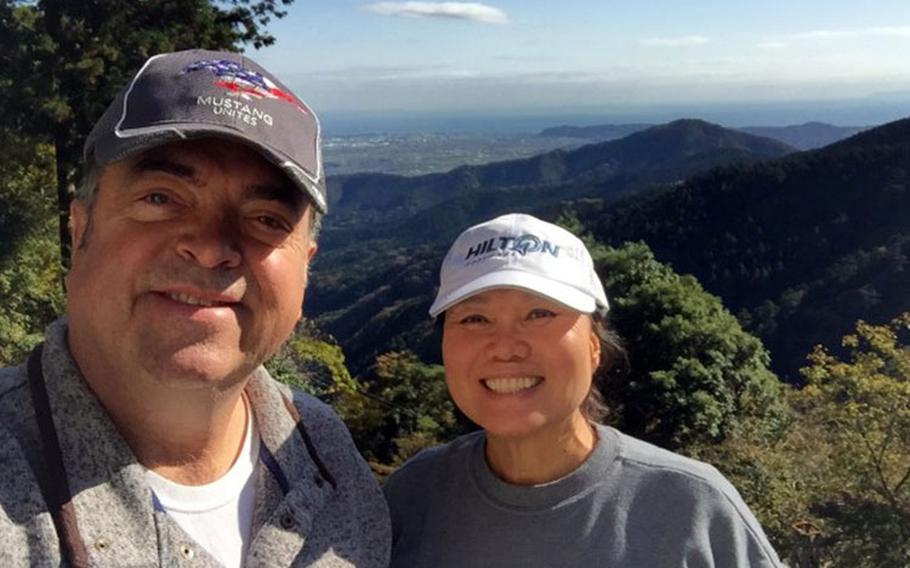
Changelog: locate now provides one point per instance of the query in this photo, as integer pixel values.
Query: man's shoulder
(21, 501)
(327, 433)
(15, 403)
(12, 380)
(318, 417)
(17, 415)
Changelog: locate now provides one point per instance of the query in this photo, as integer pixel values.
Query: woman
(543, 484)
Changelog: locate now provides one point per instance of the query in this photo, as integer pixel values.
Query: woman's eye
(473, 318)
(540, 313)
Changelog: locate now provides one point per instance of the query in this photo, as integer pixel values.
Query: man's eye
(473, 318)
(272, 223)
(157, 199)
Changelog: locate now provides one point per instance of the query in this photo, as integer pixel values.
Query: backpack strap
(55, 486)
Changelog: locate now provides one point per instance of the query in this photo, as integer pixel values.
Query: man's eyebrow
(287, 195)
(152, 164)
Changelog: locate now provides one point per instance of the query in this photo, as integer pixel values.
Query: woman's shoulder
(690, 493)
(647, 459)
(649, 471)
(428, 463)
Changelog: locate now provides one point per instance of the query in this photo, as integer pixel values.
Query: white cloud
(456, 10)
(900, 32)
(773, 44)
(677, 41)
(888, 31)
(373, 72)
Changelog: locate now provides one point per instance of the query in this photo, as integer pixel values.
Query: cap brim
(165, 133)
(559, 292)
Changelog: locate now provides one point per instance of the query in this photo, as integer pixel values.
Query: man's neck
(189, 441)
(188, 435)
(195, 453)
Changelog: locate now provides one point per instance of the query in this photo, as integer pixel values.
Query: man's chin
(199, 368)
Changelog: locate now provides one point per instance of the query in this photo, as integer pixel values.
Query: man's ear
(78, 223)
(310, 253)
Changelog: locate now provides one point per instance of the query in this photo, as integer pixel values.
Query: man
(145, 431)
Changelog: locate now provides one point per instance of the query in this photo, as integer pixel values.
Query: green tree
(61, 63)
(830, 485)
(402, 408)
(859, 407)
(694, 373)
(778, 467)
(30, 273)
(311, 361)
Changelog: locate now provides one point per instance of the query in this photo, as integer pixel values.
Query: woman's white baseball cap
(520, 251)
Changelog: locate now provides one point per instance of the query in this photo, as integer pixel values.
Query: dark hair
(613, 359)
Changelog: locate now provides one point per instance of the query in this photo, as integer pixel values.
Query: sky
(597, 57)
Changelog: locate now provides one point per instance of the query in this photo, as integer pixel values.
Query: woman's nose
(509, 345)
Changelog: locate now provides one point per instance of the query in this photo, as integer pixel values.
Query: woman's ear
(595, 348)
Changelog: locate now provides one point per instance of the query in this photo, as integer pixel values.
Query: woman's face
(517, 363)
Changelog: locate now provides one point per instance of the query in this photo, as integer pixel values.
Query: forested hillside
(800, 248)
(412, 209)
(378, 260)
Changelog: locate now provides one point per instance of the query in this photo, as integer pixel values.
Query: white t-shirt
(218, 515)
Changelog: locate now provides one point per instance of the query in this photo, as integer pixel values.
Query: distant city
(424, 153)
(415, 143)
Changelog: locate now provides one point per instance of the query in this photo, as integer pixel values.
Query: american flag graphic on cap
(246, 83)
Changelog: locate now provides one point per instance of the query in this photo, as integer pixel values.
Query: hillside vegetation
(800, 248)
(366, 206)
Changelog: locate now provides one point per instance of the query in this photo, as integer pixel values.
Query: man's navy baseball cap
(199, 93)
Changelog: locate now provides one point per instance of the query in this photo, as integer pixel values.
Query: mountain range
(798, 244)
(366, 206)
(800, 248)
(807, 136)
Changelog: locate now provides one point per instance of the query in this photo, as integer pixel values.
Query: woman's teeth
(511, 385)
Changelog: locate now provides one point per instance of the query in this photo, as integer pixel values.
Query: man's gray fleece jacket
(301, 518)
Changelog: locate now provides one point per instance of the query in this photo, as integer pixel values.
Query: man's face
(191, 267)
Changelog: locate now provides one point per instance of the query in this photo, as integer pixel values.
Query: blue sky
(534, 55)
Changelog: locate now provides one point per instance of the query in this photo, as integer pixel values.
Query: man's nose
(508, 345)
(213, 243)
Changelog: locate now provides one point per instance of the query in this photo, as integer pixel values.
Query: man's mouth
(511, 385)
(192, 300)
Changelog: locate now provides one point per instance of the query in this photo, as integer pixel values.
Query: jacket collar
(108, 484)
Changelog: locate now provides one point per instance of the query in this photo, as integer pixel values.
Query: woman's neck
(544, 456)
